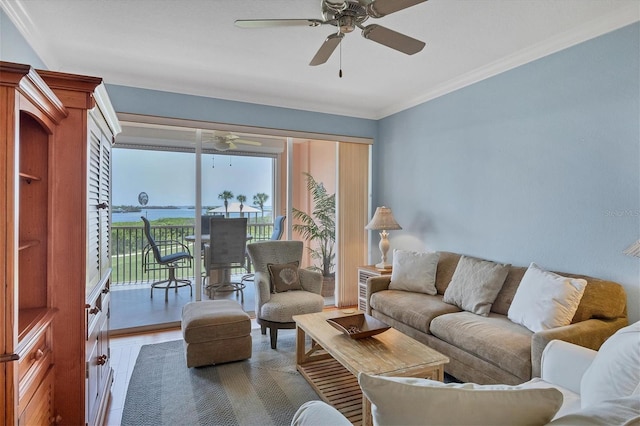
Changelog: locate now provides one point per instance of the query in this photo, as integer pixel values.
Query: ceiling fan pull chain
(340, 72)
(213, 162)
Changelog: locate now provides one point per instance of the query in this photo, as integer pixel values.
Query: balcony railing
(127, 251)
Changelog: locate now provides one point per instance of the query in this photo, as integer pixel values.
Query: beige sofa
(492, 349)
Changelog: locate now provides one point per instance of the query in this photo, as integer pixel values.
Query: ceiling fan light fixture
(220, 145)
(347, 24)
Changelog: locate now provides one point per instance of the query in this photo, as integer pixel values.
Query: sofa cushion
(422, 401)
(413, 309)
(621, 411)
(447, 264)
(545, 300)
(475, 284)
(601, 299)
(281, 307)
(570, 399)
(615, 371)
(414, 271)
(494, 339)
(508, 290)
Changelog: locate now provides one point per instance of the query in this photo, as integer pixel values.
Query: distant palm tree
(241, 198)
(259, 199)
(226, 196)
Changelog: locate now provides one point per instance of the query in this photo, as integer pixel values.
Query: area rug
(264, 390)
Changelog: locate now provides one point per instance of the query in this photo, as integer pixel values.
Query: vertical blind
(352, 203)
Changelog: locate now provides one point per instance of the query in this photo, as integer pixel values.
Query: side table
(365, 272)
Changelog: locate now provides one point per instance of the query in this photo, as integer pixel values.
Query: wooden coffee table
(331, 361)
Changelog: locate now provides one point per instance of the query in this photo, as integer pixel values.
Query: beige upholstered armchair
(275, 310)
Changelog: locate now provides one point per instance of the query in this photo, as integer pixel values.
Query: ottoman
(215, 331)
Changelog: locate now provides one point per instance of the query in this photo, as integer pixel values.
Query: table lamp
(383, 220)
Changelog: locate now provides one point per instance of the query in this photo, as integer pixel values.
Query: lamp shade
(383, 220)
(633, 249)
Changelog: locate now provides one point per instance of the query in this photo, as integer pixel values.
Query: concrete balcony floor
(133, 310)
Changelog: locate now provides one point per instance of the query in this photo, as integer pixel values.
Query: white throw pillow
(545, 300)
(414, 271)
(615, 371)
(410, 401)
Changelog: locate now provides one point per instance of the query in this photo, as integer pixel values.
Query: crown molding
(16, 13)
(595, 28)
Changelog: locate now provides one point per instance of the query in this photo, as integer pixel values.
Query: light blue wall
(541, 163)
(13, 47)
(152, 102)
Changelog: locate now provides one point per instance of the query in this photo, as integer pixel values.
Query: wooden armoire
(57, 131)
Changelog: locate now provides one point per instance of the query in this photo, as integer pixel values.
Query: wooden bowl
(358, 326)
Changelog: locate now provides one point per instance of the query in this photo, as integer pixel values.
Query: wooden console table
(331, 362)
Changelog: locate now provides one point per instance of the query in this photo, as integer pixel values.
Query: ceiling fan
(224, 141)
(346, 16)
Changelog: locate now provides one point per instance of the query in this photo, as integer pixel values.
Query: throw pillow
(475, 284)
(414, 271)
(545, 300)
(423, 402)
(284, 277)
(615, 371)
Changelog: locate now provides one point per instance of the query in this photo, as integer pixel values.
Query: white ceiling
(193, 46)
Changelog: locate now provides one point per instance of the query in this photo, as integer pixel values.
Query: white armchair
(276, 310)
(598, 388)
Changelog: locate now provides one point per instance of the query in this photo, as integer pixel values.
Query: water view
(154, 214)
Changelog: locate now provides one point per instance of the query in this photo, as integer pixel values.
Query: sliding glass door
(178, 173)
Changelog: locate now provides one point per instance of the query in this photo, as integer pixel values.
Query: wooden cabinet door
(99, 372)
(39, 410)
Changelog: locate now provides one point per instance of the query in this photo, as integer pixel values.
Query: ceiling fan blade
(232, 145)
(219, 134)
(248, 142)
(327, 48)
(266, 23)
(380, 8)
(393, 39)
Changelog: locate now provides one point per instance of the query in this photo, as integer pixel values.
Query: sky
(169, 177)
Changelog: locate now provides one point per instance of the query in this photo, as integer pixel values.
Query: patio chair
(170, 261)
(226, 250)
(278, 230)
(275, 305)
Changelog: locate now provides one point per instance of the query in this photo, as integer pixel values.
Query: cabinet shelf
(29, 178)
(30, 321)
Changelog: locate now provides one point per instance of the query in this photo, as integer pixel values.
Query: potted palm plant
(319, 229)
